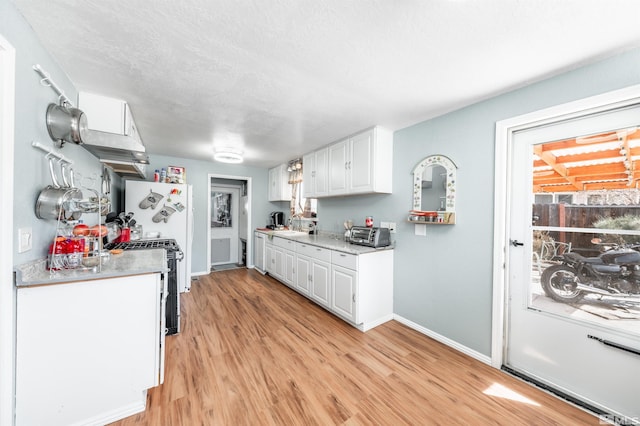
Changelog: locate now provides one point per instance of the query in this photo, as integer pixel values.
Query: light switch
(24, 239)
(421, 230)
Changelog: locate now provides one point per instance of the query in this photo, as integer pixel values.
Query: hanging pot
(56, 201)
(66, 124)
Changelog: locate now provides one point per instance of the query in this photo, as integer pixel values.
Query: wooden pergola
(603, 161)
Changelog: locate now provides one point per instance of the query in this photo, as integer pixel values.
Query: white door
(225, 203)
(586, 346)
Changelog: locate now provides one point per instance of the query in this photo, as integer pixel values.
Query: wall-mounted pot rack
(48, 82)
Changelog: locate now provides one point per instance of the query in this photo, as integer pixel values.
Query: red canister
(125, 235)
(368, 221)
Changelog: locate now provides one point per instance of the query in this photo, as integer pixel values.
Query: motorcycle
(614, 272)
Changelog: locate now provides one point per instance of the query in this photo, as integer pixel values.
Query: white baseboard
(372, 324)
(199, 274)
(440, 338)
(118, 414)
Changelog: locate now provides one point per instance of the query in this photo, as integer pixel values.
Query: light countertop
(129, 262)
(326, 240)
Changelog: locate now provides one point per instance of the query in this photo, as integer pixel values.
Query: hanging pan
(53, 200)
(66, 124)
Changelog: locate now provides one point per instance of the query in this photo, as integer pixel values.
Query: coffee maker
(277, 220)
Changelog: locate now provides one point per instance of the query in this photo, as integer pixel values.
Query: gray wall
(198, 176)
(32, 99)
(443, 281)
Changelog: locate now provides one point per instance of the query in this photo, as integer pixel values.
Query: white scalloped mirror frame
(449, 166)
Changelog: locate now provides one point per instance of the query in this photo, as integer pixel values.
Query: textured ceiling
(278, 78)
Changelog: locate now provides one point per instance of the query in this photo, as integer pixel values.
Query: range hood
(126, 155)
(112, 135)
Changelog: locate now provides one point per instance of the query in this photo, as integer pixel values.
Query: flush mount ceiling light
(228, 156)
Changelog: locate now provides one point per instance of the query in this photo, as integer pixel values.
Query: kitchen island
(89, 344)
(351, 281)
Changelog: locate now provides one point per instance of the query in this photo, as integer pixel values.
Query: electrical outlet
(392, 227)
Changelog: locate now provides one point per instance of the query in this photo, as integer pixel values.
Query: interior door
(582, 344)
(224, 225)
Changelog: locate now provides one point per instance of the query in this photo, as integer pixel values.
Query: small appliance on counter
(277, 220)
(370, 236)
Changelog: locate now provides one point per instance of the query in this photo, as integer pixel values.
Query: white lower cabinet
(284, 260)
(356, 287)
(303, 274)
(259, 243)
(344, 287)
(289, 268)
(320, 283)
(269, 258)
(319, 272)
(87, 351)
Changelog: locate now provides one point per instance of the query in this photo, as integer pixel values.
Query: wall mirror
(434, 190)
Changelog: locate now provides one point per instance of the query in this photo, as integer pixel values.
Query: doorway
(228, 222)
(573, 332)
(224, 225)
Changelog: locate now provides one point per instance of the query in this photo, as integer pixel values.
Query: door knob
(516, 243)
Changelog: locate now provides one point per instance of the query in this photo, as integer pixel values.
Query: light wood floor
(253, 352)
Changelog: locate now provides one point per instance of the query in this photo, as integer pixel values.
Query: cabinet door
(269, 259)
(321, 184)
(338, 168)
(259, 252)
(278, 257)
(303, 273)
(289, 268)
(274, 184)
(343, 292)
(279, 187)
(308, 175)
(320, 288)
(360, 165)
(95, 366)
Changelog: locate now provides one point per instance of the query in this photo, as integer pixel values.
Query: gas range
(167, 244)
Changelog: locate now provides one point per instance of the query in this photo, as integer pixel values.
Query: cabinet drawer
(315, 252)
(284, 243)
(345, 260)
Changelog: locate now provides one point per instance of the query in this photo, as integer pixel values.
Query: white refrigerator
(165, 212)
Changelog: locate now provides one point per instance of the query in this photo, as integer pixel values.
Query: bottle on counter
(156, 176)
(163, 175)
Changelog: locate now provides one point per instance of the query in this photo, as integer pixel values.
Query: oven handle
(180, 255)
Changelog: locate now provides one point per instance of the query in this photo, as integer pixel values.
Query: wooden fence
(575, 216)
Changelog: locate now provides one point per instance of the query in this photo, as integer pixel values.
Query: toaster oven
(370, 237)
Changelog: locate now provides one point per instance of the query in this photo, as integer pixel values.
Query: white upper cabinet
(107, 114)
(314, 174)
(338, 164)
(361, 163)
(279, 187)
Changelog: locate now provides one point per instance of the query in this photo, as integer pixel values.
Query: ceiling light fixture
(228, 156)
